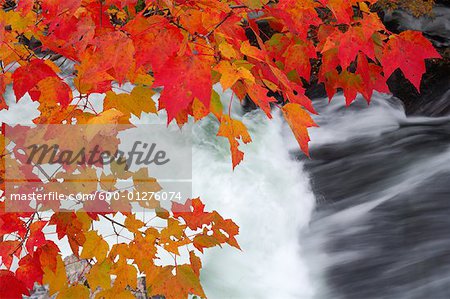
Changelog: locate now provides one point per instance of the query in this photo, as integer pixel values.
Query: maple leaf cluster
(41, 262)
(62, 52)
(185, 47)
(136, 247)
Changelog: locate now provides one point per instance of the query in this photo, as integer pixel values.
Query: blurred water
(382, 182)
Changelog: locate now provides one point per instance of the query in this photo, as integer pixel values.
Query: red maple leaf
(407, 51)
(184, 78)
(28, 76)
(10, 286)
(193, 212)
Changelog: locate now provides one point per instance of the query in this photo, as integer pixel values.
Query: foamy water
(268, 196)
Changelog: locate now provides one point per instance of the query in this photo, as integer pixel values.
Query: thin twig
(238, 6)
(219, 24)
(113, 221)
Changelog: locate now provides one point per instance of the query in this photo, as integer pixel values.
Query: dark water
(436, 27)
(382, 221)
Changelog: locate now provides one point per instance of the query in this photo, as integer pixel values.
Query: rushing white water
(268, 196)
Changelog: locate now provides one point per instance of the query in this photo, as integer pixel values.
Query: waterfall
(269, 197)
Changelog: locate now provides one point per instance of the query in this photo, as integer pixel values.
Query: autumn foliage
(62, 52)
